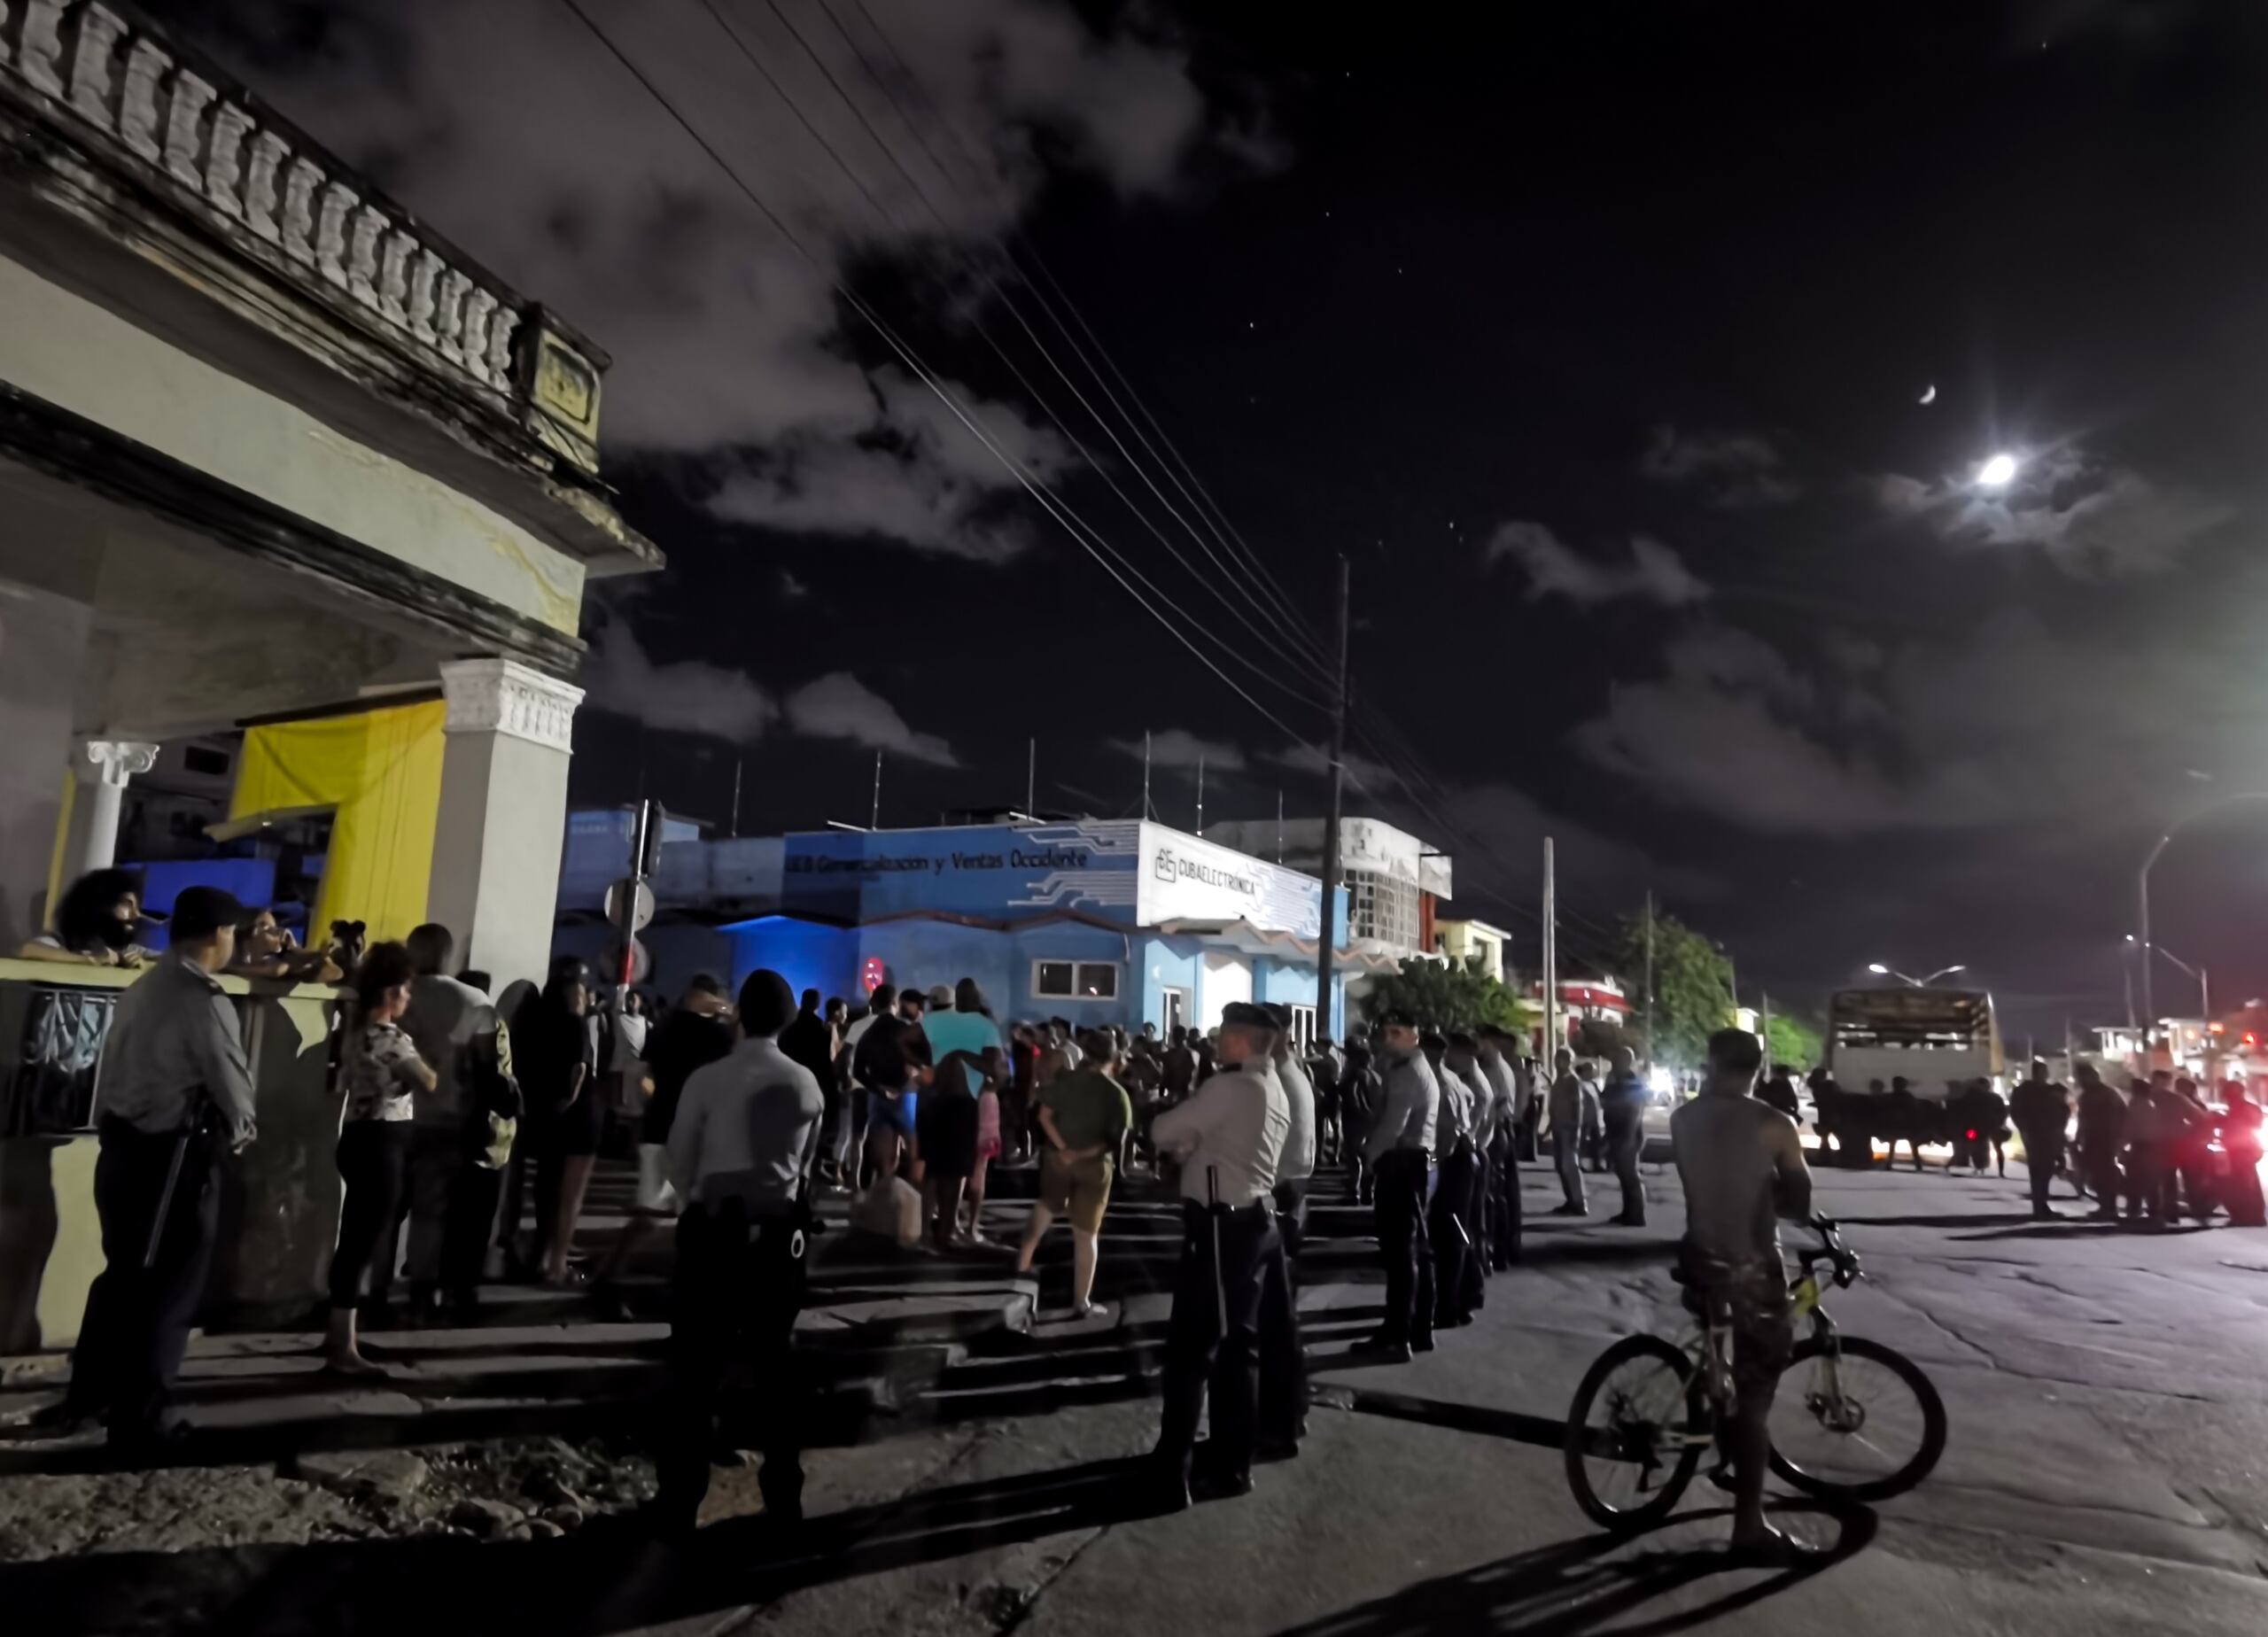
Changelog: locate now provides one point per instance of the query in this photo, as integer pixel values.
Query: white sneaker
(656, 1195)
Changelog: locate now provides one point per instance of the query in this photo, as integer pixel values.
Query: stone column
(104, 765)
(503, 817)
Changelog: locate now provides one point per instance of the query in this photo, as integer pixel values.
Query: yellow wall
(381, 770)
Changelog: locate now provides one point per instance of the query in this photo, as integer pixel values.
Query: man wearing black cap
(1229, 1136)
(741, 1152)
(176, 1094)
(1400, 1154)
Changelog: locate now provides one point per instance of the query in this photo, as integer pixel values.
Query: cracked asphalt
(2107, 1471)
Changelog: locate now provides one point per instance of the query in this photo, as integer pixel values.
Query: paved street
(2104, 1474)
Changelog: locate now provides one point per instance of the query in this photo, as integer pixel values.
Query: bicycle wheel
(1870, 1428)
(1633, 1433)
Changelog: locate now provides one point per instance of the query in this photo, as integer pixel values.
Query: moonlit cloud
(1178, 748)
(692, 696)
(2092, 518)
(677, 697)
(1654, 572)
(511, 128)
(839, 706)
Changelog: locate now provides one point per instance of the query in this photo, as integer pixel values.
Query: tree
(1599, 1038)
(1446, 997)
(1693, 988)
(1792, 1043)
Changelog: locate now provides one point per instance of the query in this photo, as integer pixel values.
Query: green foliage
(1693, 987)
(1445, 997)
(1598, 1040)
(1792, 1043)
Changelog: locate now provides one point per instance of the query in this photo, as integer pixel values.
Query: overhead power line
(1037, 488)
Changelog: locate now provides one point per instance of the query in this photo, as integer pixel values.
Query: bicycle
(1647, 1407)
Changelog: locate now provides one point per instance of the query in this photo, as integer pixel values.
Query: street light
(2204, 985)
(1881, 970)
(2142, 893)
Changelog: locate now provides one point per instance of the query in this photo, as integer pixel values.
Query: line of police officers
(178, 1092)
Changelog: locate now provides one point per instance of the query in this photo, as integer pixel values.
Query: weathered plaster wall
(61, 347)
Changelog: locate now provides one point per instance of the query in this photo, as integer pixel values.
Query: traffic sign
(636, 896)
(641, 965)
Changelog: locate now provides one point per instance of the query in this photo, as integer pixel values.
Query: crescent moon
(1930, 394)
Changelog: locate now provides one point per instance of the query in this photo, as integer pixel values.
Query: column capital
(494, 695)
(113, 760)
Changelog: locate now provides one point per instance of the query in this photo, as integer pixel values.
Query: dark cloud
(1731, 470)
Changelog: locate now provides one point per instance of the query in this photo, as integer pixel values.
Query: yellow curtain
(381, 770)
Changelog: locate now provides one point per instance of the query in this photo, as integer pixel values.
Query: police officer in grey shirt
(1229, 1136)
(174, 1094)
(1470, 1204)
(740, 1152)
(1444, 1224)
(1400, 1155)
(1503, 1078)
(1283, 1365)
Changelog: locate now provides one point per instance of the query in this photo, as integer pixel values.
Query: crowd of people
(2159, 1149)
(750, 1107)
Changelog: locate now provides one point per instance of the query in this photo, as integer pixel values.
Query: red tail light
(1972, 1136)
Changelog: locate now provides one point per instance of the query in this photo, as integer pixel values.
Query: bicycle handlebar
(1831, 1248)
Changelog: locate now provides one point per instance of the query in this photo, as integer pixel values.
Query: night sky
(1596, 336)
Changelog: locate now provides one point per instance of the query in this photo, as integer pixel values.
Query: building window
(1303, 1029)
(1081, 980)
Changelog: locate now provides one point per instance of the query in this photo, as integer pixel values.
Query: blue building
(1113, 921)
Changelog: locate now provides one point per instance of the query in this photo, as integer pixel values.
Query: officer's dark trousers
(2100, 1159)
(2041, 1160)
(1504, 1202)
(1204, 1354)
(1626, 1144)
(1283, 1366)
(1451, 1235)
(735, 1295)
(1475, 1217)
(137, 1321)
(1402, 1242)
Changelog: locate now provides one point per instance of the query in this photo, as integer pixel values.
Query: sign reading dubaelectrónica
(1185, 879)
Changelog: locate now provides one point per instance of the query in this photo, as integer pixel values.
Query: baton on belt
(1213, 1216)
(165, 1200)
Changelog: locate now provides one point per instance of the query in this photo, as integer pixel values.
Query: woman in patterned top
(382, 1072)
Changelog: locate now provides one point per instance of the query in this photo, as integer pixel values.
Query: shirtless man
(1742, 1168)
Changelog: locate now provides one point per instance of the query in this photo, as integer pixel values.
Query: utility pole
(874, 819)
(1322, 944)
(1550, 965)
(1146, 773)
(1279, 826)
(1031, 778)
(738, 762)
(1766, 1034)
(1650, 1056)
(1201, 793)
